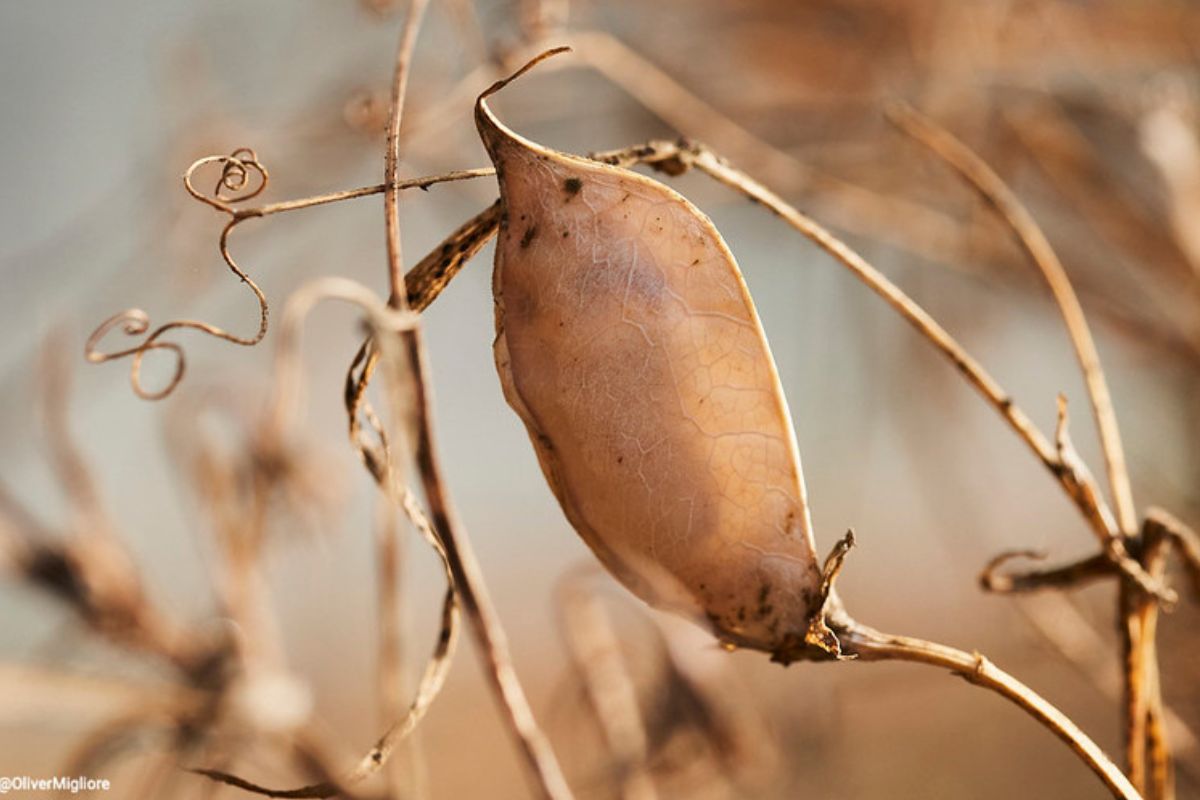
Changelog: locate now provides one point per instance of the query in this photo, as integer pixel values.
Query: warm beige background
(104, 105)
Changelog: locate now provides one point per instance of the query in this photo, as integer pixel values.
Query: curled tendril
(135, 322)
(243, 177)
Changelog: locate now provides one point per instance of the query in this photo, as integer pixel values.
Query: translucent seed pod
(627, 342)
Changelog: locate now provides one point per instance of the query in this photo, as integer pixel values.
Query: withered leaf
(628, 344)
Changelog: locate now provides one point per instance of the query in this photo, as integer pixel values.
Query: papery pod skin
(627, 342)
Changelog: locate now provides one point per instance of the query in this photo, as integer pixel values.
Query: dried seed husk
(627, 342)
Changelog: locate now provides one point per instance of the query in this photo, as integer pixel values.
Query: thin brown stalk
(468, 578)
(852, 207)
(135, 322)
(389, 658)
(596, 652)
(1059, 458)
(485, 623)
(385, 323)
(1075, 574)
(1144, 614)
(1184, 540)
(1029, 236)
(242, 178)
(1063, 627)
(433, 273)
(391, 159)
(871, 645)
(1143, 701)
(423, 182)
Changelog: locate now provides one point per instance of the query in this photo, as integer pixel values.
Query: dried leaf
(628, 344)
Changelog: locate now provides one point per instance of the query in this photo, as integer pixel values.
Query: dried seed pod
(628, 344)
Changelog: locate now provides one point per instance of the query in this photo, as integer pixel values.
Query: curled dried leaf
(628, 344)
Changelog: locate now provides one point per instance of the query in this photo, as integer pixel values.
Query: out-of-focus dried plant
(230, 703)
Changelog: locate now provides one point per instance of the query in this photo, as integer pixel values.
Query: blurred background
(1088, 109)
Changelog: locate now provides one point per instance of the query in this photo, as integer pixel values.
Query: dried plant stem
(433, 273)
(468, 578)
(391, 161)
(423, 182)
(1068, 576)
(1139, 613)
(390, 663)
(996, 193)
(871, 645)
(236, 171)
(385, 323)
(596, 651)
(1059, 458)
(1184, 540)
(1146, 734)
(675, 158)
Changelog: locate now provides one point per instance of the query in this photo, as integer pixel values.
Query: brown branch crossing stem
(871, 645)
(468, 578)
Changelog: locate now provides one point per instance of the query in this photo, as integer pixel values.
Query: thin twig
(237, 184)
(434, 272)
(390, 647)
(391, 158)
(485, 623)
(1028, 234)
(384, 323)
(1073, 575)
(468, 578)
(596, 652)
(871, 645)
(1160, 782)
(1184, 539)
(1058, 458)
(1143, 701)
(422, 182)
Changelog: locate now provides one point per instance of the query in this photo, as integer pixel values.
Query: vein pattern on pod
(628, 344)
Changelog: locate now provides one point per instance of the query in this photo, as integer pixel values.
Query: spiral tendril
(242, 176)
(135, 322)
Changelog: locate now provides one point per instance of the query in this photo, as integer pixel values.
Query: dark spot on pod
(530, 233)
(572, 186)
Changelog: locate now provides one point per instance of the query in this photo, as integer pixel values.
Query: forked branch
(1028, 234)
(1058, 457)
